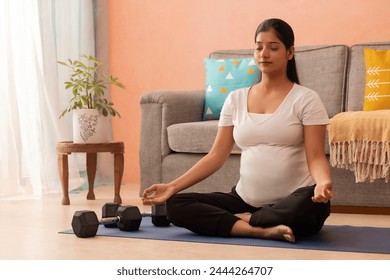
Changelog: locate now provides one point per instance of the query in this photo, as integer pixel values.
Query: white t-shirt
(273, 160)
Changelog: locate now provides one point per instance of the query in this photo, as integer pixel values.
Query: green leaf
(63, 113)
(119, 84)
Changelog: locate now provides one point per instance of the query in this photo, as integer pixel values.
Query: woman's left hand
(323, 192)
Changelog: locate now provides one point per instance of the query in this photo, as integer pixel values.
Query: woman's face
(271, 54)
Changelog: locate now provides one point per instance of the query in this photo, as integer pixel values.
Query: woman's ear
(291, 53)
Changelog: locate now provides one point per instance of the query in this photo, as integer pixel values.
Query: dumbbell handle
(110, 220)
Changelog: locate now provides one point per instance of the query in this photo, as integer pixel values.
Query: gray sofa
(174, 137)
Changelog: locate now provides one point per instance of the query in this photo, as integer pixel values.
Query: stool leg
(91, 172)
(118, 174)
(64, 176)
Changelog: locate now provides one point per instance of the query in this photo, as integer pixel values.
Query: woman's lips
(265, 62)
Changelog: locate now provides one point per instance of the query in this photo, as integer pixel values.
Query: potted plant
(90, 107)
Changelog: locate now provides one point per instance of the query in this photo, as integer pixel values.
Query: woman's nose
(264, 53)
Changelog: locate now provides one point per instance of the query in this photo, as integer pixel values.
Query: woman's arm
(209, 164)
(314, 138)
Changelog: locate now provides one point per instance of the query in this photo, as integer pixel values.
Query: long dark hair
(285, 34)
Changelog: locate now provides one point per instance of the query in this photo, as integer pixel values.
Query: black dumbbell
(159, 215)
(85, 223)
(109, 210)
(110, 213)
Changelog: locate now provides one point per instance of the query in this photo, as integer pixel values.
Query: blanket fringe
(370, 160)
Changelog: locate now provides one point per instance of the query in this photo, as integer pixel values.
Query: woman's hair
(285, 34)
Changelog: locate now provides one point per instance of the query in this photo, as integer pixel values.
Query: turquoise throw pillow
(222, 77)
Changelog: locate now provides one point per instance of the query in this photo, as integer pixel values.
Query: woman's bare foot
(280, 232)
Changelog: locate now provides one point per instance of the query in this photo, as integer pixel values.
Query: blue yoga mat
(331, 238)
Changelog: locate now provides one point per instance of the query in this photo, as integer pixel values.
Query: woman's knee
(171, 207)
(313, 222)
(175, 207)
(302, 215)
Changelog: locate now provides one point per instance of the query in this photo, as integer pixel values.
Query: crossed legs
(226, 214)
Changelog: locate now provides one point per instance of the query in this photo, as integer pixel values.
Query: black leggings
(213, 213)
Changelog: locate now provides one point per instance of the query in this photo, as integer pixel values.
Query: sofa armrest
(160, 109)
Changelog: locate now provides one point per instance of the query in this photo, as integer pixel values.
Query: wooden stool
(68, 147)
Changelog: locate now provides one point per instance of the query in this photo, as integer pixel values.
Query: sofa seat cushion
(194, 137)
(198, 137)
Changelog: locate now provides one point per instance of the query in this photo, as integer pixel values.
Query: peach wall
(160, 44)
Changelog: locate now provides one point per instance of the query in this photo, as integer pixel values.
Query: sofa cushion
(194, 137)
(377, 91)
(357, 74)
(324, 69)
(224, 76)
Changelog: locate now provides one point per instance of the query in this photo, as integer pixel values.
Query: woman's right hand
(157, 193)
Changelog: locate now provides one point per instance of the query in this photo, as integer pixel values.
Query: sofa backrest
(357, 74)
(324, 69)
(321, 68)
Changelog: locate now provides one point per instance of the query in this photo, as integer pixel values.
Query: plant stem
(90, 101)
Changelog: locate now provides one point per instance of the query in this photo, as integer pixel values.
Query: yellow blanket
(360, 141)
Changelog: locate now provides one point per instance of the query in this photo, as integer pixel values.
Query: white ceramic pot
(89, 126)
